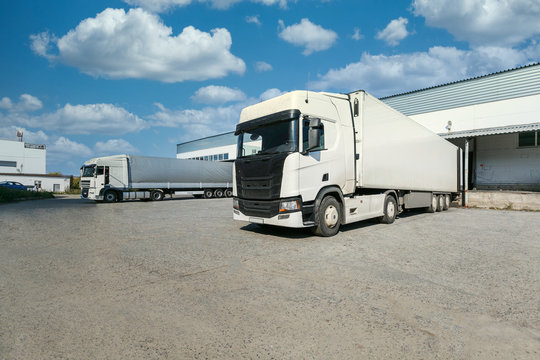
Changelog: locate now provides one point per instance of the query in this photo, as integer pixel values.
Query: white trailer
(123, 177)
(321, 160)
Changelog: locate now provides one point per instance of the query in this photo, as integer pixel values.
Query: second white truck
(322, 160)
(123, 177)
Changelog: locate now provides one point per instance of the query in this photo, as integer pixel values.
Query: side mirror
(314, 139)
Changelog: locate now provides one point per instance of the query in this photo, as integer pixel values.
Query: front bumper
(269, 212)
(290, 219)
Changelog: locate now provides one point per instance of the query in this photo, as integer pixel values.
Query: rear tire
(110, 196)
(440, 202)
(390, 210)
(218, 193)
(328, 217)
(157, 195)
(228, 193)
(208, 193)
(446, 204)
(433, 206)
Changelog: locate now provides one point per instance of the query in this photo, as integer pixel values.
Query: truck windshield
(87, 171)
(273, 138)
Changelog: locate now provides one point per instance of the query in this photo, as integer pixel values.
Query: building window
(8, 163)
(226, 156)
(528, 138)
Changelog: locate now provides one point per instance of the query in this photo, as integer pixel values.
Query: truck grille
(85, 184)
(265, 209)
(264, 179)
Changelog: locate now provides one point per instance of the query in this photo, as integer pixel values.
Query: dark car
(13, 185)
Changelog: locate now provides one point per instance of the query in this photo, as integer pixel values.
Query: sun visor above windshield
(261, 121)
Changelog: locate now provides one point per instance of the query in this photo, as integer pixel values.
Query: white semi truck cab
(321, 160)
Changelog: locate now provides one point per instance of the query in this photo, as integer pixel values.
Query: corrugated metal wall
(509, 84)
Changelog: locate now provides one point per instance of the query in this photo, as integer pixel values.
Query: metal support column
(465, 200)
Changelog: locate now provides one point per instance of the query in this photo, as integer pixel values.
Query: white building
(27, 163)
(495, 118)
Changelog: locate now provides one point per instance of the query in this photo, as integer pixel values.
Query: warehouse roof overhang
(491, 131)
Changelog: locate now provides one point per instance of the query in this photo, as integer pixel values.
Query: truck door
(102, 175)
(316, 168)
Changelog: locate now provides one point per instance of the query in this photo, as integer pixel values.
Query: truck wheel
(440, 202)
(328, 217)
(228, 193)
(446, 204)
(433, 206)
(218, 193)
(208, 193)
(157, 195)
(109, 196)
(390, 210)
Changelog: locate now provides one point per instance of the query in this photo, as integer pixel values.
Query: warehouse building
(494, 118)
(27, 164)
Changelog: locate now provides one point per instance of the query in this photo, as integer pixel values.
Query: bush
(9, 195)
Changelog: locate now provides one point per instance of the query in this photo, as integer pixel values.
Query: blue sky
(94, 78)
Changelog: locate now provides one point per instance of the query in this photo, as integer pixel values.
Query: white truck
(322, 160)
(123, 177)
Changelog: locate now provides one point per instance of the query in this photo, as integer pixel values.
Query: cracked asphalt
(179, 279)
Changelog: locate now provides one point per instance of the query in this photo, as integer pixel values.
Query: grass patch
(9, 195)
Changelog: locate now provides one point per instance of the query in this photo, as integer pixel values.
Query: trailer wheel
(440, 202)
(446, 204)
(433, 206)
(328, 217)
(110, 196)
(157, 195)
(390, 210)
(218, 193)
(228, 193)
(208, 193)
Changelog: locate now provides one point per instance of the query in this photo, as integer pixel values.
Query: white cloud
(137, 44)
(308, 35)
(26, 103)
(394, 32)
(6, 103)
(158, 5)
(63, 148)
(357, 35)
(253, 20)
(217, 95)
(114, 146)
(166, 5)
(42, 44)
(261, 66)
(270, 93)
(483, 22)
(384, 75)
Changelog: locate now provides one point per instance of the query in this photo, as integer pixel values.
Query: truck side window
(305, 131)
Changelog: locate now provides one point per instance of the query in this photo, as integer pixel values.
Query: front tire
(110, 196)
(390, 210)
(328, 217)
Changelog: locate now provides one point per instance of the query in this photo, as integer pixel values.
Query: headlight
(289, 205)
(235, 204)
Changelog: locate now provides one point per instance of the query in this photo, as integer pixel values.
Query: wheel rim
(331, 216)
(390, 209)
